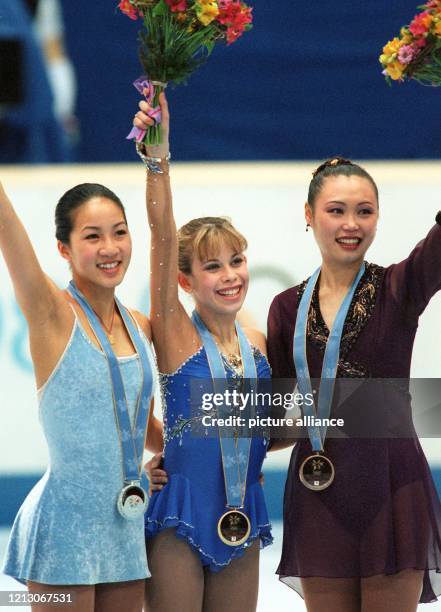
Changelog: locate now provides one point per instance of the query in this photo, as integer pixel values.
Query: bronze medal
(317, 472)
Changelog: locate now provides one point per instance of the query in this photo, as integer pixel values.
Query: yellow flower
(207, 10)
(393, 46)
(437, 29)
(385, 59)
(406, 36)
(395, 70)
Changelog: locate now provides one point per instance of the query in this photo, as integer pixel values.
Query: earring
(308, 225)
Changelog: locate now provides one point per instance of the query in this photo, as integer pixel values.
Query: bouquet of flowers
(177, 37)
(416, 53)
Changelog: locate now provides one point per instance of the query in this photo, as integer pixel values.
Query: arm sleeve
(278, 343)
(416, 279)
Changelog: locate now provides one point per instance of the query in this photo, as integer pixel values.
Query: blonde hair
(204, 237)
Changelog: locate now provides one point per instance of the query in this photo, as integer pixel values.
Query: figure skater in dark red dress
(370, 542)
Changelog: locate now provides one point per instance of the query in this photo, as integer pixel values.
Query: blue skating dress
(193, 500)
(68, 530)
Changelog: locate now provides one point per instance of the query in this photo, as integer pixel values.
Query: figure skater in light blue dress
(75, 538)
(194, 556)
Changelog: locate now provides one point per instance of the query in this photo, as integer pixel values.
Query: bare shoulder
(144, 323)
(256, 338)
(55, 315)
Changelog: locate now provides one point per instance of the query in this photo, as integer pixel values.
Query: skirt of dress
(194, 513)
(66, 534)
(381, 515)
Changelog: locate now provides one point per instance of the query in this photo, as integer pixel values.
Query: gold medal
(234, 528)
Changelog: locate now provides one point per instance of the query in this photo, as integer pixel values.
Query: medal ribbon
(317, 435)
(132, 440)
(235, 452)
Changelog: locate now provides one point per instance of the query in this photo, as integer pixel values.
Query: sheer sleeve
(281, 322)
(278, 340)
(415, 280)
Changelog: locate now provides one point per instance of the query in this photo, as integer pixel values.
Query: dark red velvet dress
(382, 514)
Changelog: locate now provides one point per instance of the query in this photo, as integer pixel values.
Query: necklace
(108, 329)
(235, 360)
(234, 357)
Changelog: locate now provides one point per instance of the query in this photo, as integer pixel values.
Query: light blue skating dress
(69, 530)
(193, 500)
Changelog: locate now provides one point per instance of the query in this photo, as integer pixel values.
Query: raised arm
(38, 297)
(416, 279)
(173, 332)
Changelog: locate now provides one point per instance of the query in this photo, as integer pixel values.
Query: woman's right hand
(157, 476)
(144, 122)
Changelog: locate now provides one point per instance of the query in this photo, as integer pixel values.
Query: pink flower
(177, 6)
(407, 53)
(128, 9)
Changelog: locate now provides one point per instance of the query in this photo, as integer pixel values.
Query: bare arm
(164, 245)
(172, 330)
(154, 440)
(38, 297)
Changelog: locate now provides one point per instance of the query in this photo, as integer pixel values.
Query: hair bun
(333, 162)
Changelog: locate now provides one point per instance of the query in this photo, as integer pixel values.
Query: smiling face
(344, 218)
(220, 283)
(100, 246)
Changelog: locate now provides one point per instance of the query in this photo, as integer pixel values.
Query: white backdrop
(265, 201)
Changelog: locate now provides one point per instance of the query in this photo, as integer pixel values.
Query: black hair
(337, 166)
(73, 199)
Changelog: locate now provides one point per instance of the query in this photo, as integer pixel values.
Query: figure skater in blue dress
(73, 539)
(189, 561)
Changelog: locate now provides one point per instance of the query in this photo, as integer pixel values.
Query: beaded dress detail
(193, 500)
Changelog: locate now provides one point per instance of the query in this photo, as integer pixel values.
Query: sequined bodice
(187, 444)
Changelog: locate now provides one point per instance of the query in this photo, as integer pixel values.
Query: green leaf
(160, 9)
(209, 45)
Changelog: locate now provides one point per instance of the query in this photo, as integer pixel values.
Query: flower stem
(153, 134)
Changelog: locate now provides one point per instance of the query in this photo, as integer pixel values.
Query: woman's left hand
(144, 122)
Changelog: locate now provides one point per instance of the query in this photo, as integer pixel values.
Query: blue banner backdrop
(305, 83)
